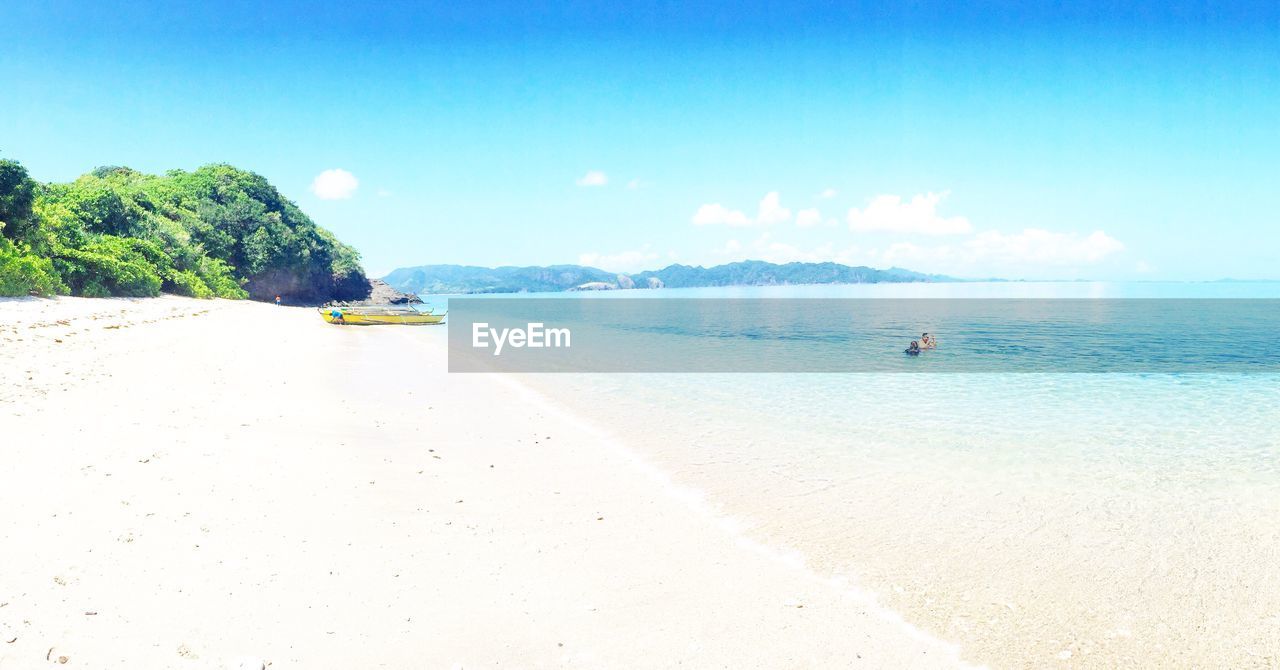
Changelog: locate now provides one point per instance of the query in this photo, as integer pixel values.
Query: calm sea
(1121, 519)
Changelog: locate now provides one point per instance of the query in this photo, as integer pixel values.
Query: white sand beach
(213, 484)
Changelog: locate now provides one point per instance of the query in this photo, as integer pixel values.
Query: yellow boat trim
(376, 317)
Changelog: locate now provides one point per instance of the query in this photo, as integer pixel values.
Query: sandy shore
(196, 484)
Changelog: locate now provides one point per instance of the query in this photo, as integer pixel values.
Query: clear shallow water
(870, 334)
(1037, 519)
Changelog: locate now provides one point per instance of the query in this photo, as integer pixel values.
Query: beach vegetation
(217, 231)
(27, 274)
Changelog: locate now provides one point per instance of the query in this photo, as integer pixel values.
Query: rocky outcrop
(381, 293)
(313, 284)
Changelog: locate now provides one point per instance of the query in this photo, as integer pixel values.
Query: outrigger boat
(379, 316)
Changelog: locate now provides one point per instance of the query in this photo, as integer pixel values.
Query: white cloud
(625, 261)
(717, 214)
(828, 193)
(765, 248)
(908, 254)
(1032, 253)
(593, 178)
(808, 218)
(769, 212)
(993, 253)
(889, 213)
(335, 184)
(1029, 253)
(1035, 246)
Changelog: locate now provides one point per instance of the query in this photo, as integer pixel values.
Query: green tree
(17, 195)
(215, 232)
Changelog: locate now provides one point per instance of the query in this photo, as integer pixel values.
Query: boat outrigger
(380, 316)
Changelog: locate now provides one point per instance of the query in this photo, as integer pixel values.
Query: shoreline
(697, 503)
(252, 485)
(1076, 549)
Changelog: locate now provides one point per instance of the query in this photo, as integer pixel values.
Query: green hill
(470, 279)
(217, 231)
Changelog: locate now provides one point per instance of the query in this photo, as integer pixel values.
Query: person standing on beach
(277, 301)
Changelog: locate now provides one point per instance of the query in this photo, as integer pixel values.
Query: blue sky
(998, 139)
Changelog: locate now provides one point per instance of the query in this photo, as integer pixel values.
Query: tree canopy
(218, 231)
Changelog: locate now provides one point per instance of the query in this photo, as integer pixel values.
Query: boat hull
(356, 318)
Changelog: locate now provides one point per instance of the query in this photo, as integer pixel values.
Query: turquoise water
(984, 327)
(1037, 519)
(1210, 428)
(1219, 427)
(825, 335)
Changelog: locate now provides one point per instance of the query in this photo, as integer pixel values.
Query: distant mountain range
(470, 279)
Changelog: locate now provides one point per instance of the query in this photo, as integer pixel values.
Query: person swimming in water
(913, 349)
(927, 342)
